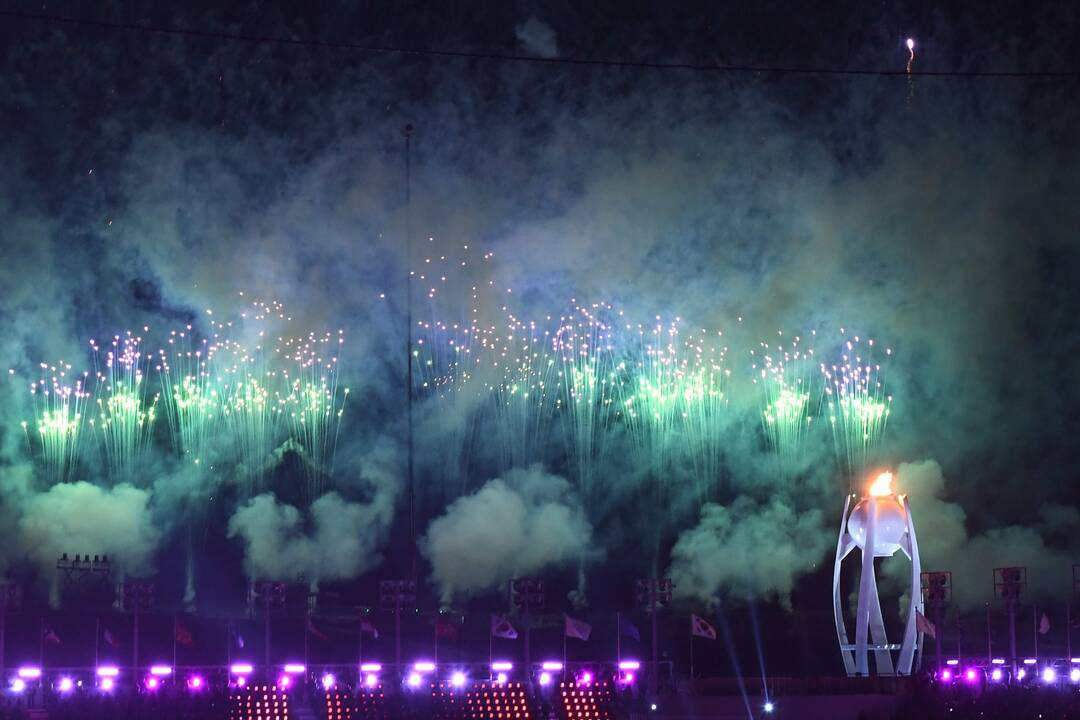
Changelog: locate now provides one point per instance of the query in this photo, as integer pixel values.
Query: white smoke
(747, 550)
(519, 524)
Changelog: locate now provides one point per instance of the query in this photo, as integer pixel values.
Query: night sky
(158, 161)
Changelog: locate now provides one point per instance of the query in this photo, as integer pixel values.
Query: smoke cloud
(84, 518)
(517, 525)
(538, 38)
(941, 528)
(334, 540)
(747, 550)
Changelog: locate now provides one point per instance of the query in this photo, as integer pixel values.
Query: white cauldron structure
(879, 525)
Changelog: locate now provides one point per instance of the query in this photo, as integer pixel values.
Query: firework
(858, 404)
(126, 412)
(189, 392)
(789, 388)
(57, 433)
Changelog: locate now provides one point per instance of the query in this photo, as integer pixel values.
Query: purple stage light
(294, 668)
(371, 680)
(1049, 675)
(241, 669)
(29, 673)
(1074, 675)
(18, 685)
(414, 679)
(501, 678)
(553, 665)
(457, 679)
(424, 666)
(970, 675)
(241, 681)
(585, 679)
(1030, 661)
(328, 681)
(629, 665)
(195, 683)
(108, 671)
(545, 678)
(502, 665)
(1021, 674)
(284, 681)
(946, 675)
(152, 683)
(996, 675)
(107, 684)
(370, 667)
(65, 685)
(952, 663)
(628, 678)
(160, 670)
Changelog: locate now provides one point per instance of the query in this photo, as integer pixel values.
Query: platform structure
(878, 525)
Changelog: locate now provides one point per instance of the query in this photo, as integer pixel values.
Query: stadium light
(946, 675)
(424, 666)
(195, 683)
(551, 665)
(160, 670)
(996, 675)
(18, 685)
(1049, 675)
(371, 680)
(328, 681)
(457, 679)
(769, 707)
(545, 678)
(414, 679)
(502, 665)
(1074, 675)
(107, 671)
(29, 673)
(65, 685)
(294, 668)
(107, 684)
(1030, 661)
(152, 683)
(241, 669)
(998, 661)
(952, 663)
(629, 665)
(370, 667)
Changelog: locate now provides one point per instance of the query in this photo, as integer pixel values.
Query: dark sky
(148, 176)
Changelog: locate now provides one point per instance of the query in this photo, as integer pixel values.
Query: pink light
(66, 685)
(457, 679)
(501, 678)
(502, 665)
(18, 685)
(29, 673)
(910, 44)
(371, 680)
(108, 671)
(284, 680)
(586, 678)
(414, 679)
(970, 675)
(241, 669)
(551, 665)
(424, 666)
(952, 663)
(294, 668)
(241, 681)
(152, 683)
(1074, 675)
(1021, 674)
(161, 670)
(545, 678)
(946, 675)
(996, 675)
(370, 667)
(195, 682)
(107, 684)
(1049, 675)
(629, 665)
(328, 681)
(628, 678)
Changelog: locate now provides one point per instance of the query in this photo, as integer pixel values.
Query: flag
(577, 629)
(628, 629)
(315, 631)
(925, 626)
(501, 628)
(700, 628)
(1044, 624)
(446, 628)
(109, 639)
(183, 635)
(366, 627)
(236, 636)
(50, 636)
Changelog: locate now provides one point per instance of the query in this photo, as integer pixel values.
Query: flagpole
(618, 636)
(565, 669)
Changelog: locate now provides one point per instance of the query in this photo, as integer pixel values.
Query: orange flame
(882, 485)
